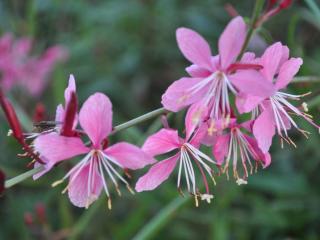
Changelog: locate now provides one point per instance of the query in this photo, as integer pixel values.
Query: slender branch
(306, 79)
(253, 25)
(13, 181)
(138, 120)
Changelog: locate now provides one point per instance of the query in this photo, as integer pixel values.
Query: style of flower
(274, 113)
(88, 177)
(187, 155)
(19, 67)
(235, 144)
(213, 77)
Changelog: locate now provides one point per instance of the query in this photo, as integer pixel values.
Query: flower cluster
(219, 89)
(18, 67)
(235, 105)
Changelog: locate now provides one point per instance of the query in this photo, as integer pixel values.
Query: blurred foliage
(127, 49)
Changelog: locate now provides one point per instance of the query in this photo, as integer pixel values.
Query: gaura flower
(19, 67)
(187, 155)
(235, 146)
(274, 112)
(88, 177)
(213, 77)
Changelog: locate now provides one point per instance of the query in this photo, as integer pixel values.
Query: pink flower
(61, 110)
(214, 77)
(88, 177)
(18, 67)
(187, 155)
(235, 145)
(35, 72)
(274, 112)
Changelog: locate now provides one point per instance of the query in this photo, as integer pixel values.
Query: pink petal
(78, 187)
(55, 148)
(287, 71)
(231, 41)
(270, 60)
(128, 156)
(246, 103)
(221, 147)
(247, 125)
(22, 47)
(251, 82)
(194, 117)
(265, 158)
(161, 142)
(47, 168)
(180, 94)
(194, 47)
(285, 55)
(59, 114)
(197, 72)
(96, 117)
(71, 88)
(248, 57)
(157, 174)
(264, 129)
(199, 136)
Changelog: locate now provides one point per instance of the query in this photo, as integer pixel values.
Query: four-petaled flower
(187, 155)
(88, 177)
(213, 77)
(273, 112)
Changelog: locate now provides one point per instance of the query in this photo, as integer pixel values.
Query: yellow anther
(56, 183)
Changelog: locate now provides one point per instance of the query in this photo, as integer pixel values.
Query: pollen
(212, 128)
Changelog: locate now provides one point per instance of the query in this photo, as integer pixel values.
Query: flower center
(189, 155)
(100, 165)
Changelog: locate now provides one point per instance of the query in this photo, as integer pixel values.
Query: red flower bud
(39, 114)
(70, 115)
(41, 213)
(285, 4)
(12, 118)
(28, 218)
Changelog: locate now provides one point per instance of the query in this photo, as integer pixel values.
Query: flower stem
(138, 120)
(161, 219)
(306, 79)
(253, 25)
(13, 181)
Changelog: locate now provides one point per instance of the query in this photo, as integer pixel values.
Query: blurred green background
(127, 49)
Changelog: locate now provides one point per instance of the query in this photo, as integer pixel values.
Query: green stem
(253, 25)
(306, 79)
(13, 181)
(138, 120)
(161, 219)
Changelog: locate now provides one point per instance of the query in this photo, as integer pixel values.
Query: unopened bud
(41, 213)
(285, 4)
(28, 218)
